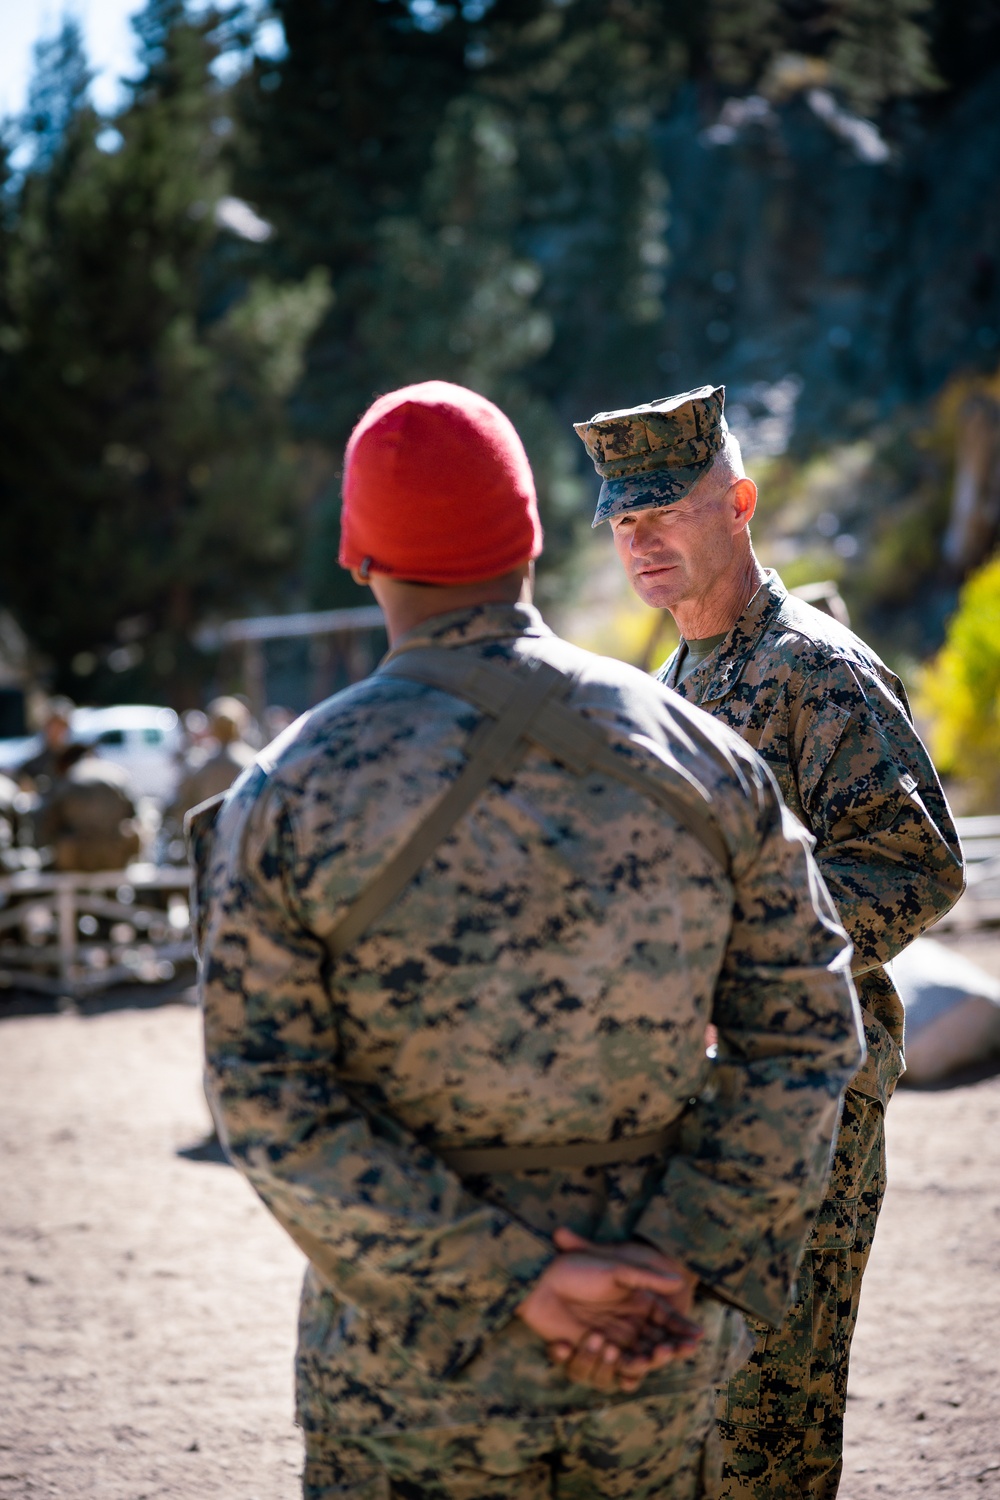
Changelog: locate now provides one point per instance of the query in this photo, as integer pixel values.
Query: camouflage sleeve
(737, 1203)
(384, 1222)
(885, 841)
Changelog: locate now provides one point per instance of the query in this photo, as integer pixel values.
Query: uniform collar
(478, 624)
(719, 674)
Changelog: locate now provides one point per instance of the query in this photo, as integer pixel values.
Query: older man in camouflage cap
(462, 929)
(833, 724)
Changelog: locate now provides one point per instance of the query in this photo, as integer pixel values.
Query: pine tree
(482, 192)
(482, 183)
(880, 50)
(146, 475)
(469, 191)
(56, 94)
(874, 50)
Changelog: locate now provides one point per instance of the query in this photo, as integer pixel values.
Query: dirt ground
(147, 1301)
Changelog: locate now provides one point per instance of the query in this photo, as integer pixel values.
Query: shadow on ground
(209, 1149)
(988, 1067)
(15, 1003)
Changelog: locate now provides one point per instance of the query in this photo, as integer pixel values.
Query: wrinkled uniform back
(546, 978)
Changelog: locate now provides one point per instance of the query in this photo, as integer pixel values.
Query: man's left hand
(668, 1333)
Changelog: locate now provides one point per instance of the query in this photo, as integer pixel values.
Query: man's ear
(743, 495)
(359, 577)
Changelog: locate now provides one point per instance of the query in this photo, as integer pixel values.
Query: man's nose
(644, 535)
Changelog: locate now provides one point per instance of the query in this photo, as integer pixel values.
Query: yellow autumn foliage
(960, 691)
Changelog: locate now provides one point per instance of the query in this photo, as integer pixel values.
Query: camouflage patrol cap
(654, 454)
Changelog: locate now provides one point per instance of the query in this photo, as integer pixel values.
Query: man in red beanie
(463, 928)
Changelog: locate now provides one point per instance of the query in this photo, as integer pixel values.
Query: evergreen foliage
(470, 190)
(57, 92)
(874, 50)
(482, 183)
(441, 174)
(880, 51)
(146, 473)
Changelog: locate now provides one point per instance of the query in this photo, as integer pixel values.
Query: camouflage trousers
(665, 1447)
(781, 1417)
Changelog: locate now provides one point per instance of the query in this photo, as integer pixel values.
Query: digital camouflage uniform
(833, 724)
(546, 978)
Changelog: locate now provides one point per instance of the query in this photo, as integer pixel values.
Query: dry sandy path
(147, 1301)
(924, 1398)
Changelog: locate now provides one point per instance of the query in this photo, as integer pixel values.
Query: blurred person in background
(214, 765)
(197, 733)
(461, 931)
(88, 817)
(833, 724)
(40, 773)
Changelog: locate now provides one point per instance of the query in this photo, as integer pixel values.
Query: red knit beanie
(437, 489)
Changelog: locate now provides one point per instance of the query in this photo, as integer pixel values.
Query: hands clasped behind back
(611, 1314)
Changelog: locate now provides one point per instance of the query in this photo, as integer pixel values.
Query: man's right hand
(669, 1333)
(613, 1320)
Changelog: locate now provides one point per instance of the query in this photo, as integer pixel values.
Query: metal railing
(980, 906)
(75, 934)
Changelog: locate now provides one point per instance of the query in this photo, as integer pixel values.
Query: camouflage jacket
(833, 724)
(547, 978)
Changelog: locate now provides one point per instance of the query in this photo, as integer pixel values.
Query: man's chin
(660, 590)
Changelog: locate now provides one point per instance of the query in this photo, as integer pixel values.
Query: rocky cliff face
(829, 272)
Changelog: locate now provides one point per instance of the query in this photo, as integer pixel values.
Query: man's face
(676, 554)
(56, 732)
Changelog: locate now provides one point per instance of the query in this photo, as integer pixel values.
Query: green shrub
(960, 691)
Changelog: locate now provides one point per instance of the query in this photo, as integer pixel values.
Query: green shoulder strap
(563, 732)
(520, 703)
(487, 752)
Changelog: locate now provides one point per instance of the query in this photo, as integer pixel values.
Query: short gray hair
(728, 462)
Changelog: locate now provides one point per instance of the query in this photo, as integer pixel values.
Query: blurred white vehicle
(14, 752)
(146, 741)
